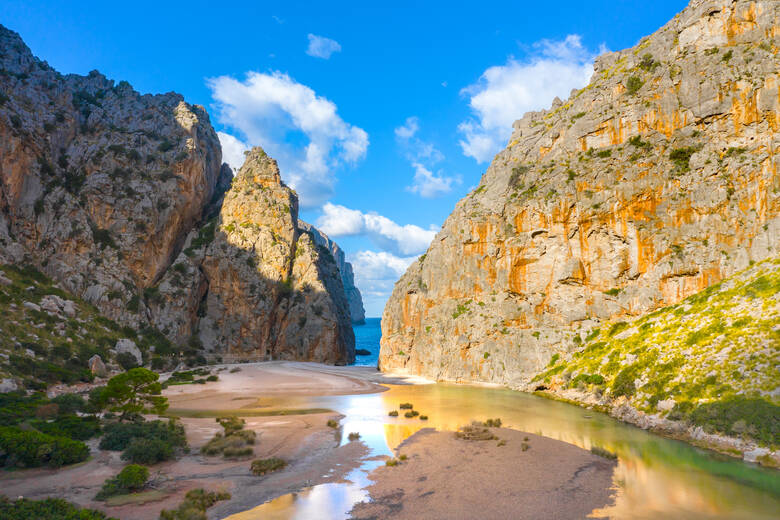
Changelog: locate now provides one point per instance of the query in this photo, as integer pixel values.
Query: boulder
(97, 367)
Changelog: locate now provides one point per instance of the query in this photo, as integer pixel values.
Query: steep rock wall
(655, 181)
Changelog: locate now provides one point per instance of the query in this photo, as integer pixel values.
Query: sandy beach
(444, 477)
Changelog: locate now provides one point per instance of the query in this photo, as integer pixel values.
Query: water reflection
(655, 477)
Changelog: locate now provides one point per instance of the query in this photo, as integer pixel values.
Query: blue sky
(381, 117)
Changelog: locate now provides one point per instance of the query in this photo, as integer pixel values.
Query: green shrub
(231, 424)
(72, 426)
(406, 406)
(118, 436)
(132, 478)
(48, 509)
(32, 449)
(126, 360)
(624, 383)
(237, 444)
(633, 84)
(751, 417)
(194, 506)
(681, 157)
(333, 423)
(493, 423)
(353, 436)
(423, 417)
(148, 451)
(263, 466)
(393, 413)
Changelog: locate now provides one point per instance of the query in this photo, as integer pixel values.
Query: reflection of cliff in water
(655, 477)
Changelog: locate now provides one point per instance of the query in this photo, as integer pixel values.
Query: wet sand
(449, 478)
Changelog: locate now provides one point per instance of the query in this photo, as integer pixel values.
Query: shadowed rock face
(655, 181)
(261, 287)
(105, 189)
(354, 299)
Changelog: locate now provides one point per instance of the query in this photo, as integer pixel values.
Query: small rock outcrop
(655, 181)
(355, 300)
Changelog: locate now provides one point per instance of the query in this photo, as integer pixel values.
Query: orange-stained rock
(606, 206)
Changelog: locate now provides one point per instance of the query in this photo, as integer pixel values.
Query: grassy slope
(61, 346)
(717, 348)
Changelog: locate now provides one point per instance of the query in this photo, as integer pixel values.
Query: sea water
(367, 337)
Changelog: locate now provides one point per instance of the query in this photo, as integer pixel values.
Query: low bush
(423, 417)
(194, 506)
(741, 416)
(231, 424)
(406, 406)
(48, 509)
(493, 423)
(32, 449)
(333, 423)
(118, 436)
(353, 436)
(624, 383)
(263, 466)
(392, 462)
(71, 426)
(237, 444)
(475, 431)
(148, 451)
(131, 479)
(393, 413)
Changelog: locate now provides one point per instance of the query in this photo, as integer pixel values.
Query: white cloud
(505, 92)
(338, 221)
(274, 111)
(376, 274)
(421, 156)
(408, 129)
(232, 150)
(321, 47)
(429, 185)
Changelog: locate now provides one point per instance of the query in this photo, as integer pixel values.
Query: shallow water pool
(655, 477)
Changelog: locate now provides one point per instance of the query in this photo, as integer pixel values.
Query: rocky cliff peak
(655, 181)
(260, 168)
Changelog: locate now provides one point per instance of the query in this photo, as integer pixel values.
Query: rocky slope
(354, 299)
(105, 190)
(653, 182)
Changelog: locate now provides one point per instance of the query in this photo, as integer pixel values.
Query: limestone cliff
(354, 299)
(106, 190)
(653, 182)
(260, 287)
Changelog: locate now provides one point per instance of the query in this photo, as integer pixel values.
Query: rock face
(354, 299)
(105, 190)
(652, 183)
(260, 287)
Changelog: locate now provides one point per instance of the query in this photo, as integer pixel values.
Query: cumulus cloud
(321, 47)
(339, 221)
(422, 156)
(300, 129)
(375, 274)
(504, 93)
(232, 150)
(429, 185)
